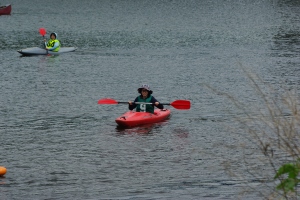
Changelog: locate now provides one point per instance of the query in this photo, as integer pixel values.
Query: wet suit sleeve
(160, 106)
(133, 106)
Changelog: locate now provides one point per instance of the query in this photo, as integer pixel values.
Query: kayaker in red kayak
(53, 44)
(146, 97)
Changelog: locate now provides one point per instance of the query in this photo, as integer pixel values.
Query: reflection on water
(142, 129)
(2, 179)
(181, 132)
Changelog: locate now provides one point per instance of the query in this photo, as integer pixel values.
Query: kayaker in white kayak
(53, 44)
(146, 97)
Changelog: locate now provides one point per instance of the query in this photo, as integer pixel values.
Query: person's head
(53, 36)
(144, 90)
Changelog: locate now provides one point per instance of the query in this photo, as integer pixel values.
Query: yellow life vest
(51, 43)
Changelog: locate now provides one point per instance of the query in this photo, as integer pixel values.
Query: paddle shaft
(143, 103)
(43, 32)
(45, 43)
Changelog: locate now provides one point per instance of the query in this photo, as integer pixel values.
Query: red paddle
(43, 31)
(178, 104)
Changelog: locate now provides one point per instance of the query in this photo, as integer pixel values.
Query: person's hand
(130, 102)
(156, 103)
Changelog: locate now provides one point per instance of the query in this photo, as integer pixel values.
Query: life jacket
(145, 107)
(51, 43)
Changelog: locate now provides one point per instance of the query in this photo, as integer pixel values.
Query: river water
(58, 143)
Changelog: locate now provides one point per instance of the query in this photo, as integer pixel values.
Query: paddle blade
(43, 31)
(181, 104)
(107, 101)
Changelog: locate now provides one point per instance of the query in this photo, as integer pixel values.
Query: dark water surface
(58, 143)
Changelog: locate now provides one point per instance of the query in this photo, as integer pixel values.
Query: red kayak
(133, 118)
(5, 10)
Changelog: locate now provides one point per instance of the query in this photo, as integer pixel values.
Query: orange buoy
(2, 171)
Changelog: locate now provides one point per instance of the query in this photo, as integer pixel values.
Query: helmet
(145, 86)
(55, 34)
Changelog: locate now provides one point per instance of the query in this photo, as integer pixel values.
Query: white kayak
(39, 51)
